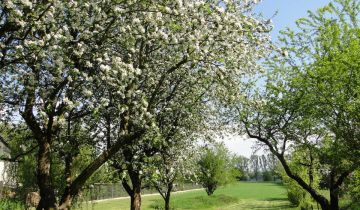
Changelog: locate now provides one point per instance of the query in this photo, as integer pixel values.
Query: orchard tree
(106, 66)
(181, 121)
(215, 168)
(179, 129)
(174, 164)
(179, 53)
(311, 98)
(48, 60)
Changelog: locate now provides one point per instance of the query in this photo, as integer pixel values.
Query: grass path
(239, 196)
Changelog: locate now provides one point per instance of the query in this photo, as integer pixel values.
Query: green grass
(241, 195)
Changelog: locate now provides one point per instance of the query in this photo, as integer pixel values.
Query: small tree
(173, 165)
(215, 168)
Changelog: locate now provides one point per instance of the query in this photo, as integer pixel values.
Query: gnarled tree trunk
(47, 194)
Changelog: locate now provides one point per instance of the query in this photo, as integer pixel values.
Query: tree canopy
(310, 101)
(101, 73)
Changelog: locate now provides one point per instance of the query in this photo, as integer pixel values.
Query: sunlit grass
(241, 195)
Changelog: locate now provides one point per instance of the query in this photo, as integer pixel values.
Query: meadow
(241, 195)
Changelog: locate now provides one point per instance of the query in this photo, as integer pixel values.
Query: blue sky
(288, 12)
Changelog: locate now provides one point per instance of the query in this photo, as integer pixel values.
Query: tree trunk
(66, 198)
(65, 202)
(167, 202)
(334, 192)
(71, 191)
(47, 194)
(167, 196)
(136, 200)
(323, 202)
(334, 199)
(136, 191)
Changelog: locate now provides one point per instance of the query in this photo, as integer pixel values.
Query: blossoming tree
(107, 66)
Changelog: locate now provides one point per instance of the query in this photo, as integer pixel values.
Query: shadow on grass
(276, 199)
(267, 206)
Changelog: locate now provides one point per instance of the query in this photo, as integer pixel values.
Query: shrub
(294, 194)
(298, 196)
(10, 204)
(267, 176)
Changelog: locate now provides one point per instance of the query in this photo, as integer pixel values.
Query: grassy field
(242, 195)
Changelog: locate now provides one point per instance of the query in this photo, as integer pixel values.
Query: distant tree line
(257, 168)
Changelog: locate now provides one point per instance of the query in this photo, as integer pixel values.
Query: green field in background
(241, 195)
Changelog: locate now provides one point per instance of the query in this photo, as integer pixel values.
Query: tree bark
(73, 189)
(334, 191)
(167, 196)
(136, 190)
(47, 194)
(334, 199)
(136, 199)
(66, 200)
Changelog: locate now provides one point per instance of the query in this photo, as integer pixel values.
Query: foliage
(112, 68)
(298, 196)
(295, 193)
(11, 204)
(215, 168)
(353, 187)
(241, 164)
(22, 172)
(256, 167)
(310, 101)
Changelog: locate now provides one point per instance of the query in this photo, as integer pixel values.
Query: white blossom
(105, 67)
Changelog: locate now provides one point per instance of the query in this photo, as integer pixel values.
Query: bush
(353, 188)
(298, 196)
(267, 176)
(294, 194)
(11, 204)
